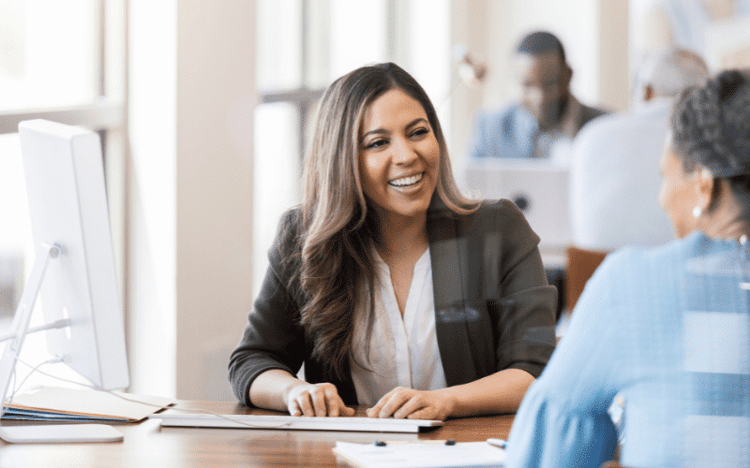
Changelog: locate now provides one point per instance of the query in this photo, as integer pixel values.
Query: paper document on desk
(421, 455)
(70, 404)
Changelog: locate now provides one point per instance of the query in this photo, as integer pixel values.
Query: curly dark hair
(711, 128)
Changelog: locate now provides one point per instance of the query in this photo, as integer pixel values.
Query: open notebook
(83, 405)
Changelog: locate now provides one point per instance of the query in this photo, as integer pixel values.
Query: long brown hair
(339, 229)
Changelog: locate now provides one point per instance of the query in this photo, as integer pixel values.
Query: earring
(697, 212)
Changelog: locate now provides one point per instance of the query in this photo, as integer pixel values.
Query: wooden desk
(148, 445)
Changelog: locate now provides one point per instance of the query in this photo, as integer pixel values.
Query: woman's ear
(705, 189)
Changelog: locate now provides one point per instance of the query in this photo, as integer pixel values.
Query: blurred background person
(667, 328)
(547, 113)
(614, 170)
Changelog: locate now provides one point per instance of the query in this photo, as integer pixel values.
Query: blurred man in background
(547, 114)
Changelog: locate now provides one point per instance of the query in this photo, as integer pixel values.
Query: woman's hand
(305, 399)
(413, 404)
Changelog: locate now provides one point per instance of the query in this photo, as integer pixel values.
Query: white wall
(151, 299)
(215, 104)
(191, 100)
(468, 29)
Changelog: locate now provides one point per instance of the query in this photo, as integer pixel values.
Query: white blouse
(402, 352)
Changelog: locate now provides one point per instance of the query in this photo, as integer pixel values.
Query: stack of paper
(421, 455)
(68, 404)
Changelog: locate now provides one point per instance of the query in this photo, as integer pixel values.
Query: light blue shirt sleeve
(563, 420)
(667, 329)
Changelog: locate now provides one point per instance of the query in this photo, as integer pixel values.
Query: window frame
(304, 98)
(105, 115)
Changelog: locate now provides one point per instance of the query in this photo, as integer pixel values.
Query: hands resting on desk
(279, 390)
(305, 399)
(413, 404)
(323, 400)
(500, 392)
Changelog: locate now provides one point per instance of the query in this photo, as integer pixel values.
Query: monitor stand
(14, 341)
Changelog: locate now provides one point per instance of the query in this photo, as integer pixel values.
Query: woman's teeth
(406, 181)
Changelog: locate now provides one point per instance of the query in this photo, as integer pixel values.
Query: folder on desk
(69, 404)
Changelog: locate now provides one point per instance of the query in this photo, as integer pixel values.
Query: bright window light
(48, 53)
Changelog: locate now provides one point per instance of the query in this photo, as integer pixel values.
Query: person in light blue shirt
(665, 330)
(547, 114)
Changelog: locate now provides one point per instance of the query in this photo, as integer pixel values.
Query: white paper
(421, 455)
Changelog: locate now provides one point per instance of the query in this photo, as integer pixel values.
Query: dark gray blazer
(493, 307)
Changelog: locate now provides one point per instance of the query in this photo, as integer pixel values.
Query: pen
(383, 443)
(497, 443)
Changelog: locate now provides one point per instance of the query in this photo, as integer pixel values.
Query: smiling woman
(391, 287)
(398, 158)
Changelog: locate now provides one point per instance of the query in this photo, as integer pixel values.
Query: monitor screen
(68, 208)
(538, 187)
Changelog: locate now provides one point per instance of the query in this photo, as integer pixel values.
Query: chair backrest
(581, 265)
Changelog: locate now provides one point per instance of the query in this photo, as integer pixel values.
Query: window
(303, 46)
(49, 58)
(52, 66)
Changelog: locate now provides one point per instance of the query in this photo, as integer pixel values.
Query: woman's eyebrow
(375, 131)
(382, 130)
(417, 121)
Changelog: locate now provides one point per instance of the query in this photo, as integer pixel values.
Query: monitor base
(60, 433)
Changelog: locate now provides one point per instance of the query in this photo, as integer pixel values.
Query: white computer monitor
(538, 187)
(78, 282)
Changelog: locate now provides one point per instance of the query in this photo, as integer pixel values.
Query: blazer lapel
(449, 272)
